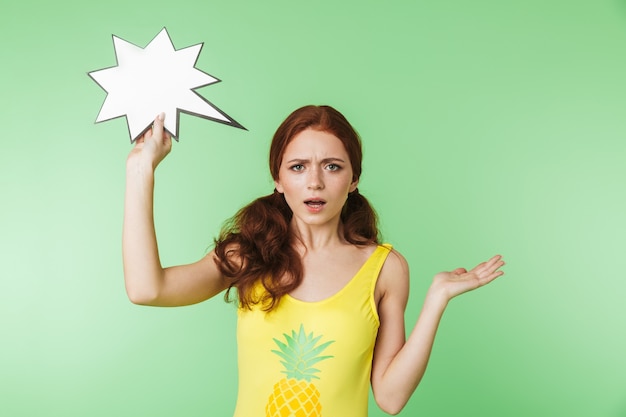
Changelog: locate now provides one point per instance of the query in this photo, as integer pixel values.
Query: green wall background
(488, 127)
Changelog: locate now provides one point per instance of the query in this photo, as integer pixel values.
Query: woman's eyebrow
(325, 160)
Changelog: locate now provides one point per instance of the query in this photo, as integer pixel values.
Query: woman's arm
(398, 366)
(147, 282)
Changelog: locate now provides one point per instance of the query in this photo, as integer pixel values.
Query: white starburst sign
(152, 80)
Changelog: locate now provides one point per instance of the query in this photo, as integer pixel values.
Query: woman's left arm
(398, 365)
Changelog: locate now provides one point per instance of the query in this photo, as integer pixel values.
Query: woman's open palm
(460, 280)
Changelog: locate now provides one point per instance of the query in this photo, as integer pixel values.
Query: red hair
(256, 244)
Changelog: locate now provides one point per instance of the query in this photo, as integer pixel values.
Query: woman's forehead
(315, 143)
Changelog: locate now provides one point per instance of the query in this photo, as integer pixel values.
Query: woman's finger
(490, 277)
(492, 261)
(157, 126)
(487, 266)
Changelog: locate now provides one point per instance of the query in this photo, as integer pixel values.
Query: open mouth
(315, 203)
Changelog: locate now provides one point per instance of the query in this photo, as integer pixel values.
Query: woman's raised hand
(459, 281)
(153, 146)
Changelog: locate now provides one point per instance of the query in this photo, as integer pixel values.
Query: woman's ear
(354, 184)
(278, 186)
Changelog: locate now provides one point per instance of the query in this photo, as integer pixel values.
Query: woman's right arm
(147, 282)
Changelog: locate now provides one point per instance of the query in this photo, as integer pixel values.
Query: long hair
(256, 244)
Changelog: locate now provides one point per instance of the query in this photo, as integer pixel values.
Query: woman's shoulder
(395, 259)
(394, 275)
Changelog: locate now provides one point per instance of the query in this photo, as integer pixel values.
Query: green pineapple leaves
(300, 354)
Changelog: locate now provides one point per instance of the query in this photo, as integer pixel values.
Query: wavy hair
(256, 245)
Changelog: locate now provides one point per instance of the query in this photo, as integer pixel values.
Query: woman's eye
(333, 167)
(297, 167)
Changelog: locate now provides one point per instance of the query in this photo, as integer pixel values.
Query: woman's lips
(315, 204)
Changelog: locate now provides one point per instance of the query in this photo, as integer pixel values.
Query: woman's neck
(316, 237)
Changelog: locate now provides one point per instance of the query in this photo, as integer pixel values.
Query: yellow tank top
(311, 359)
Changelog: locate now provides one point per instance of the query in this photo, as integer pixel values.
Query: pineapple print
(295, 395)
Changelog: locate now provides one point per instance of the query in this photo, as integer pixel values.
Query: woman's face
(315, 176)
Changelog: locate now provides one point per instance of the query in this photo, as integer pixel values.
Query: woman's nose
(315, 181)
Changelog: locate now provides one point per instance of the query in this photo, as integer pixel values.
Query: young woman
(321, 301)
